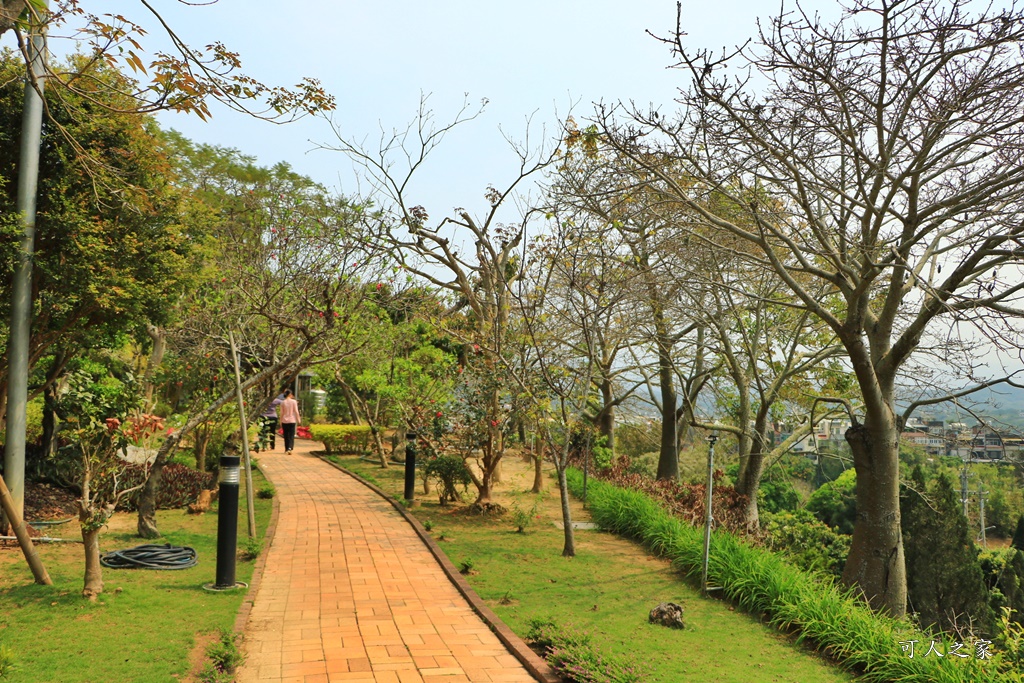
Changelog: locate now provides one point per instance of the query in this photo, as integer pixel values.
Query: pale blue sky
(530, 57)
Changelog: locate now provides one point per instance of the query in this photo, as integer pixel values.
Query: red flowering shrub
(179, 486)
(685, 501)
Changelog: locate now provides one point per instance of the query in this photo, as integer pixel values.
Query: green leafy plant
(466, 566)
(6, 661)
(428, 525)
(224, 659)
(266, 492)
(251, 548)
(811, 544)
(521, 518)
(451, 472)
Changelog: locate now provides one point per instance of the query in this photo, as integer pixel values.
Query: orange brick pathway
(350, 593)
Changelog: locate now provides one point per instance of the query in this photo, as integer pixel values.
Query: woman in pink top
(289, 420)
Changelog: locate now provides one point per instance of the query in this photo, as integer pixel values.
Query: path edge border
(537, 667)
(249, 601)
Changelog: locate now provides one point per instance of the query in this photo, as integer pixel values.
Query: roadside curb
(257, 571)
(533, 663)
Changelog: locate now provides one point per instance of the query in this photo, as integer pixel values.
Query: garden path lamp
(227, 524)
(708, 518)
(410, 467)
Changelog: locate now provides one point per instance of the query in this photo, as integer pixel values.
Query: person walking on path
(268, 430)
(289, 420)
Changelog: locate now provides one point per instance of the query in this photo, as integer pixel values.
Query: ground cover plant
(606, 591)
(144, 627)
(763, 584)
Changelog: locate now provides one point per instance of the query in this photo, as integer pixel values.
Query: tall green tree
(110, 249)
(945, 585)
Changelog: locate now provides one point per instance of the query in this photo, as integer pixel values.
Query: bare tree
(597, 180)
(476, 275)
(881, 157)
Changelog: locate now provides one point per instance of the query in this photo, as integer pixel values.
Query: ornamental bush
(179, 485)
(342, 439)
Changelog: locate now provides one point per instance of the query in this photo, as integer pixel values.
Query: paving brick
(350, 593)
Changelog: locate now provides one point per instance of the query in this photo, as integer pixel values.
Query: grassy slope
(143, 627)
(607, 589)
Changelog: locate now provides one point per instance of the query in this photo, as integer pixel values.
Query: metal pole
(227, 521)
(410, 467)
(963, 489)
(981, 512)
(21, 290)
(250, 502)
(708, 518)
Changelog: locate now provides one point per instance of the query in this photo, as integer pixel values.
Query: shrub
(251, 548)
(266, 492)
(835, 502)
(777, 495)
(521, 518)
(811, 544)
(224, 659)
(179, 485)
(450, 471)
(764, 584)
(353, 439)
(684, 500)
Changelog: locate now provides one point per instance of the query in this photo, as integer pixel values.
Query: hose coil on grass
(151, 556)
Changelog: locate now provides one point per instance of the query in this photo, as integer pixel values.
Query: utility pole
(21, 290)
(981, 513)
(963, 488)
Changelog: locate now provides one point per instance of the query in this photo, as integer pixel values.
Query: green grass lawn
(607, 590)
(143, 628)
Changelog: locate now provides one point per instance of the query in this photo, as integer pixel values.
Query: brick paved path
(350, 593)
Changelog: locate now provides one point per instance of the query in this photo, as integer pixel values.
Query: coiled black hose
(151, 556)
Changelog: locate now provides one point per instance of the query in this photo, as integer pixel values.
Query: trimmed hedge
(763, 583)
(342, 438)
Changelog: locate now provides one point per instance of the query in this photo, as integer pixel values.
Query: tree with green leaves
(945, 585)
(285, 266)
(111, 252)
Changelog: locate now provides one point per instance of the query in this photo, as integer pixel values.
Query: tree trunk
(147, 498)
(538, 475)
(483, 490)
(876, 564)
(668, 459)
(606, 418)
(93, 569)
(569, 547)
(156, 357)
(202, 440)
(49, 421)
(749, 481)
(378, 444)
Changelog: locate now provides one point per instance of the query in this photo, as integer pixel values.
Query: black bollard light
(410, 466)
(227, 521)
